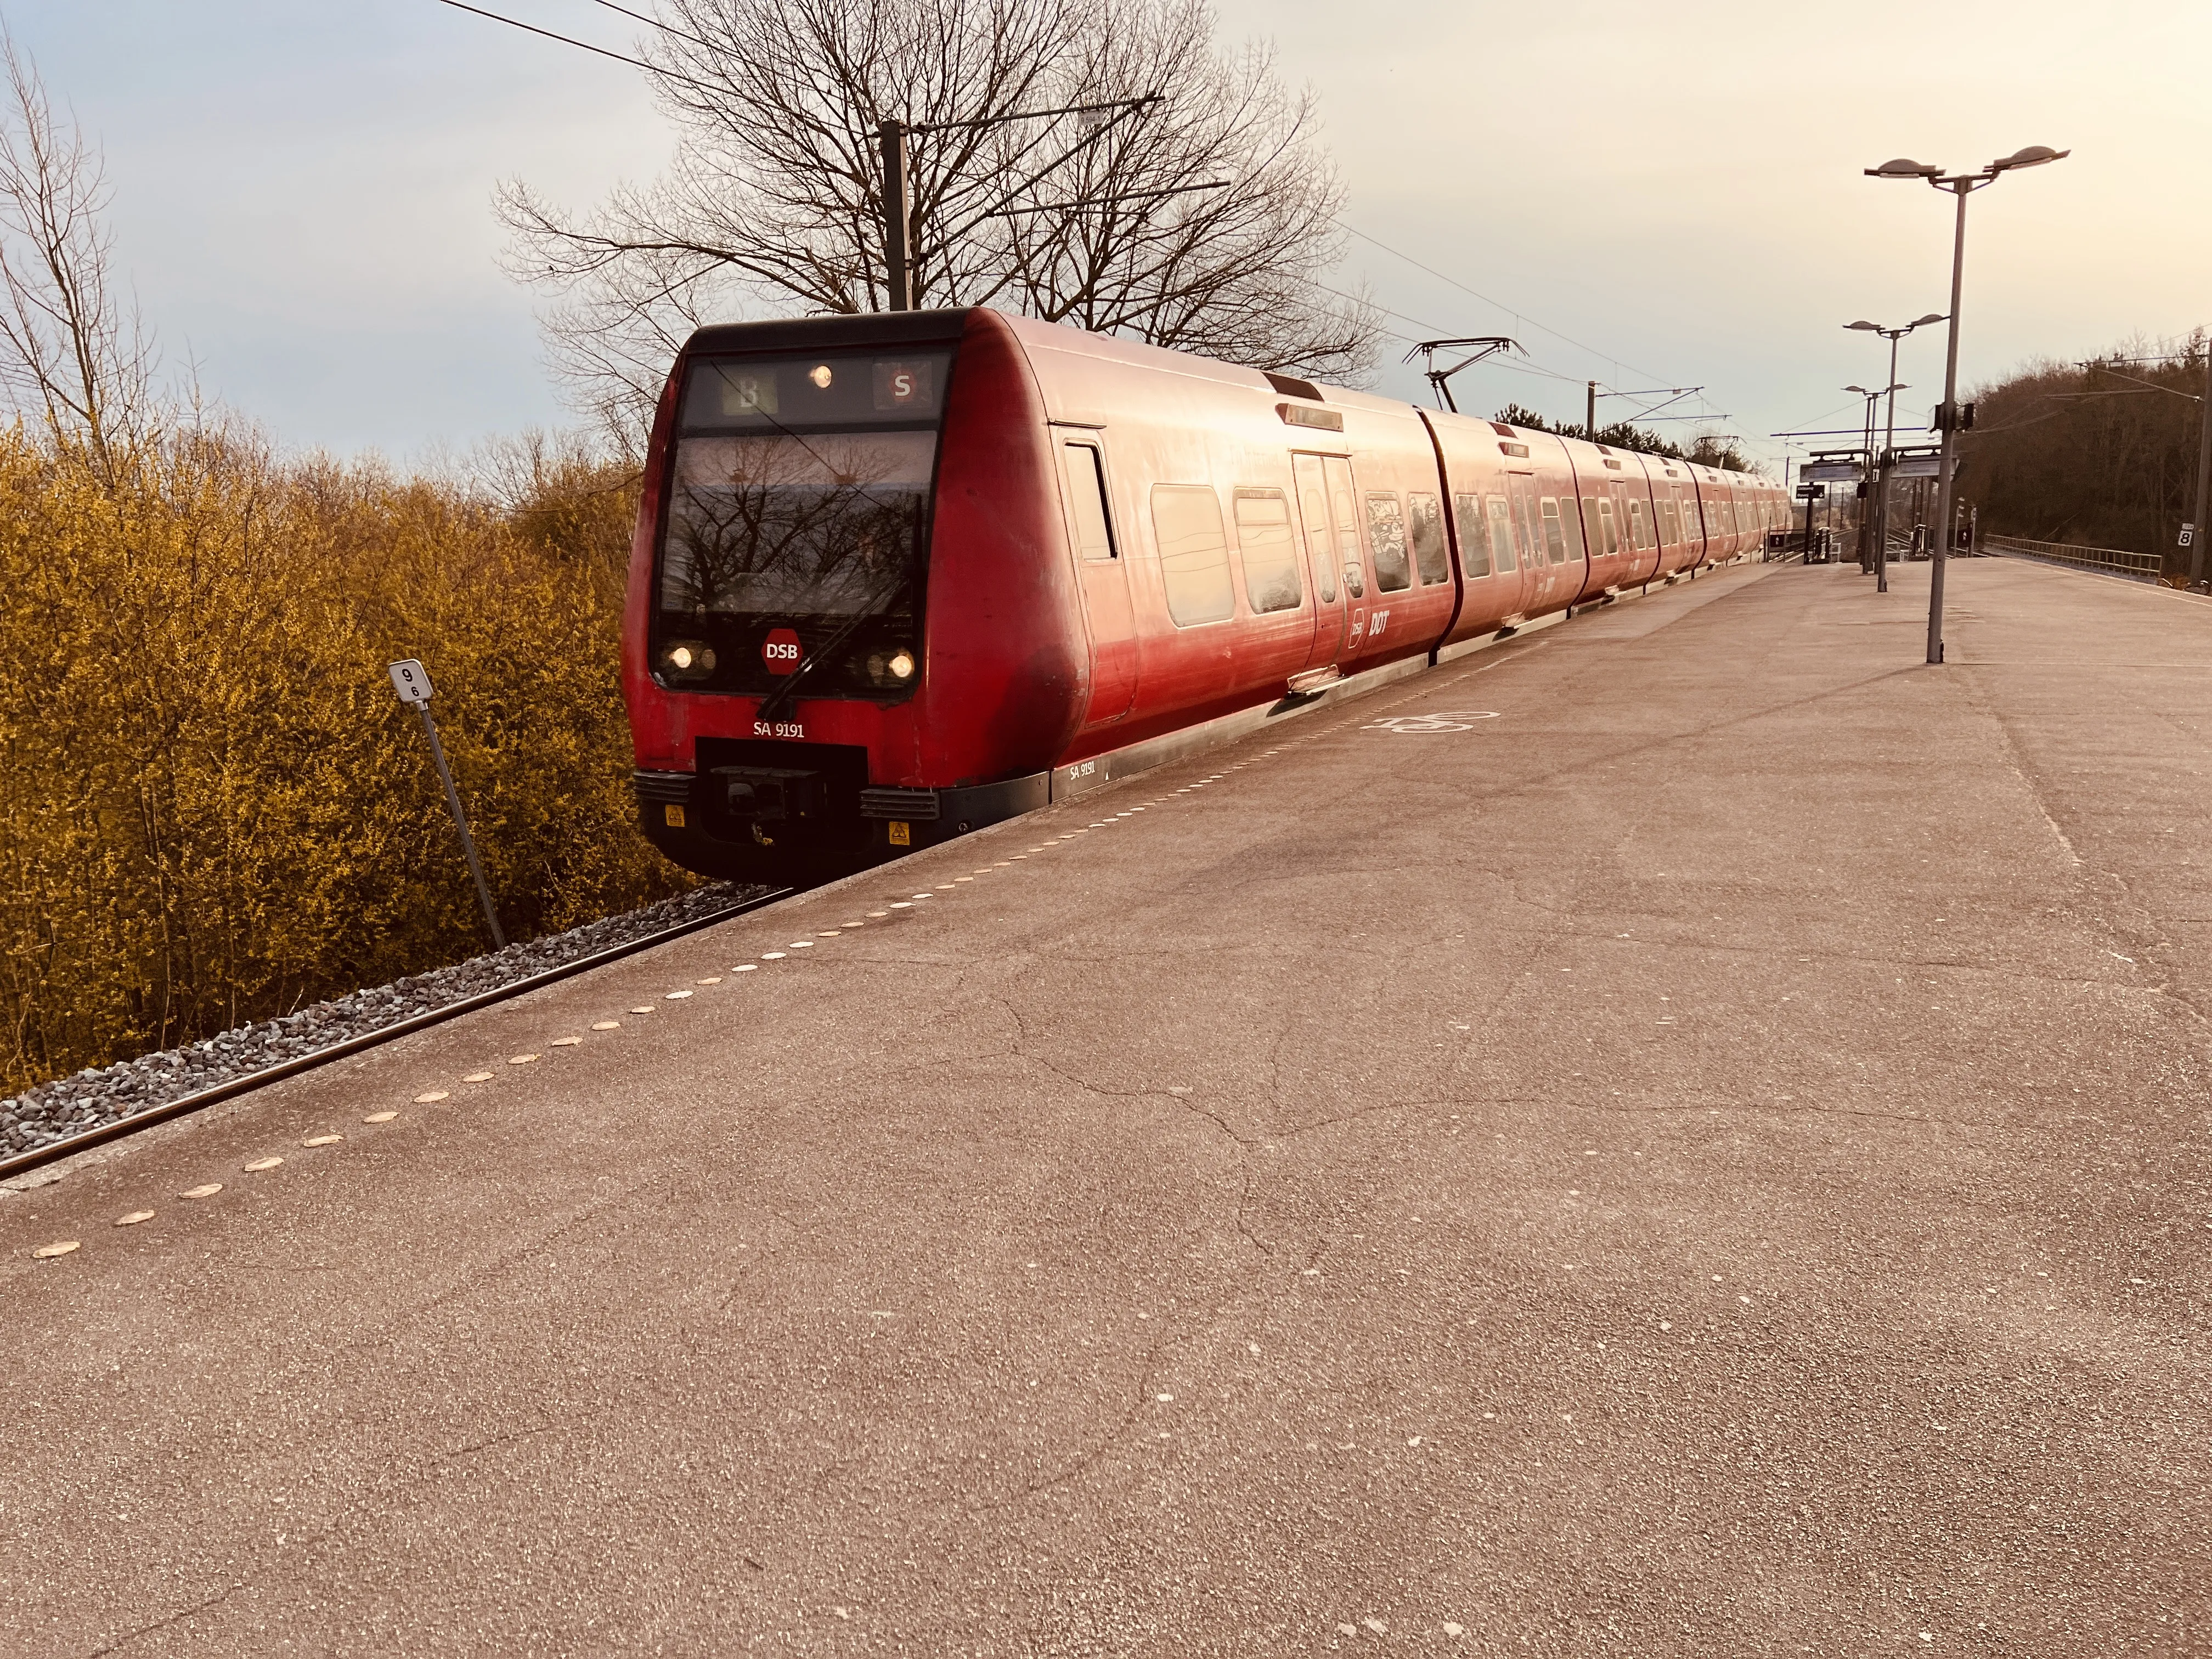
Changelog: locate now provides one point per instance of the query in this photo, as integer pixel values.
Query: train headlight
(686, 660)
(889, 670)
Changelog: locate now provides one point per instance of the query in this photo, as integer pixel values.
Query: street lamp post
(1889, 438)
(1866, 477)
(1961, 185)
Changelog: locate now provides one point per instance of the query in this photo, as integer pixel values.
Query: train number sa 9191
(779, 729)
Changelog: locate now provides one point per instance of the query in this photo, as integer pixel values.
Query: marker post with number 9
(412, 682)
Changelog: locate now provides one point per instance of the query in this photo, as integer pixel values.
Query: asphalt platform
(1683, 1134)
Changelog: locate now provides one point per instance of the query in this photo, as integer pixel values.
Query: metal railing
(2106, 560)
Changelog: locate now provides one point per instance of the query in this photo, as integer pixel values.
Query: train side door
(1537, 577)
(1098, 556)
(1324, 564)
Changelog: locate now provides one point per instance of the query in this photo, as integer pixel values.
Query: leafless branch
(773, 203)
(68, 355)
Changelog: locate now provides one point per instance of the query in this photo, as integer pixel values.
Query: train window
(1425, 517)
(1473, 534)
(1386, 535)
(1571, 529)
(1194, 554)
(1270, 558)
(1555, 538)
(1321, 540)
(1086, 501)
(1639, 527)
(1345, 510)
(1607, 526)
(1670, 523)
(1501, 533)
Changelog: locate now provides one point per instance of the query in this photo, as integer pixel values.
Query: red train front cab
(852, 624)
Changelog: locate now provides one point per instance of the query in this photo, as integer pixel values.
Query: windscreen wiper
(780, 697)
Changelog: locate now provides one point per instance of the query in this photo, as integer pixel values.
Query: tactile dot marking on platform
(829, 933)
(431, 1097)
(261, 1163)
(606, 1025)
(674, 996)
(207, 1191)
(646, 1009)
(773, 955)
(379, 1117)
(134, 1217)
(852, 924)
(712, 979)
(920, 895)
(63, 1247)
(961, 878)
(521, 1060)
(901, 904)
(322, 1140)
(879, 914)
(564, 1042)
(477, 1076)
(746, 967)
(802, 945)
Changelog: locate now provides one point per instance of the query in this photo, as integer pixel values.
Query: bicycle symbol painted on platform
(1414, 725)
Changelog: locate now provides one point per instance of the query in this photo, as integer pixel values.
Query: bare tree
(66, 354)
(774, 198)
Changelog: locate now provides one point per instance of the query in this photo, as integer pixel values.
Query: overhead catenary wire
(585, 45)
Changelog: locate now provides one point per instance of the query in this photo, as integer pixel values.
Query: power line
(1517, 316)
(654, 23)
(585, 45)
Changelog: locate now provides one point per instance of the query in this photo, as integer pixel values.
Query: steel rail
(21, 1163)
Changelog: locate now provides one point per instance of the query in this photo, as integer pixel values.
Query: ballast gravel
(72, 1105)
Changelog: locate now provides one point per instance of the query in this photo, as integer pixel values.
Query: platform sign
(1918, 466)
(2188, 535)
(412, 682)
(1811, 492)
(1829, 471)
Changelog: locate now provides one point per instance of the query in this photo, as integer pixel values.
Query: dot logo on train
(900, 576)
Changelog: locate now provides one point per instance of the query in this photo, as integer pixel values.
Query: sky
(1652, 197)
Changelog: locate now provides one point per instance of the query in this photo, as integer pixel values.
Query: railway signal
(412, 682)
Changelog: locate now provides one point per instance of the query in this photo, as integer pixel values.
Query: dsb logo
(780, 651)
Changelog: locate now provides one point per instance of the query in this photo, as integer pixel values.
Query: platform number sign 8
(780, 651)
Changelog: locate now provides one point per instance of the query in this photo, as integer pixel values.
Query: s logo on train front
(899, 576)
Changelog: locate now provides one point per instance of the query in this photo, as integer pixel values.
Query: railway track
(68, 1146)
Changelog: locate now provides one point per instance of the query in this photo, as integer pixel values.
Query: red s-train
(899, 576)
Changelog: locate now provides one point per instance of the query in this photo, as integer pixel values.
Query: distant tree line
(1707, 450)
(2101, 452)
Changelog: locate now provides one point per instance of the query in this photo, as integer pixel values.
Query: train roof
(946, 325)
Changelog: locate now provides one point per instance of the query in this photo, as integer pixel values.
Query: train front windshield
(798, 505)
